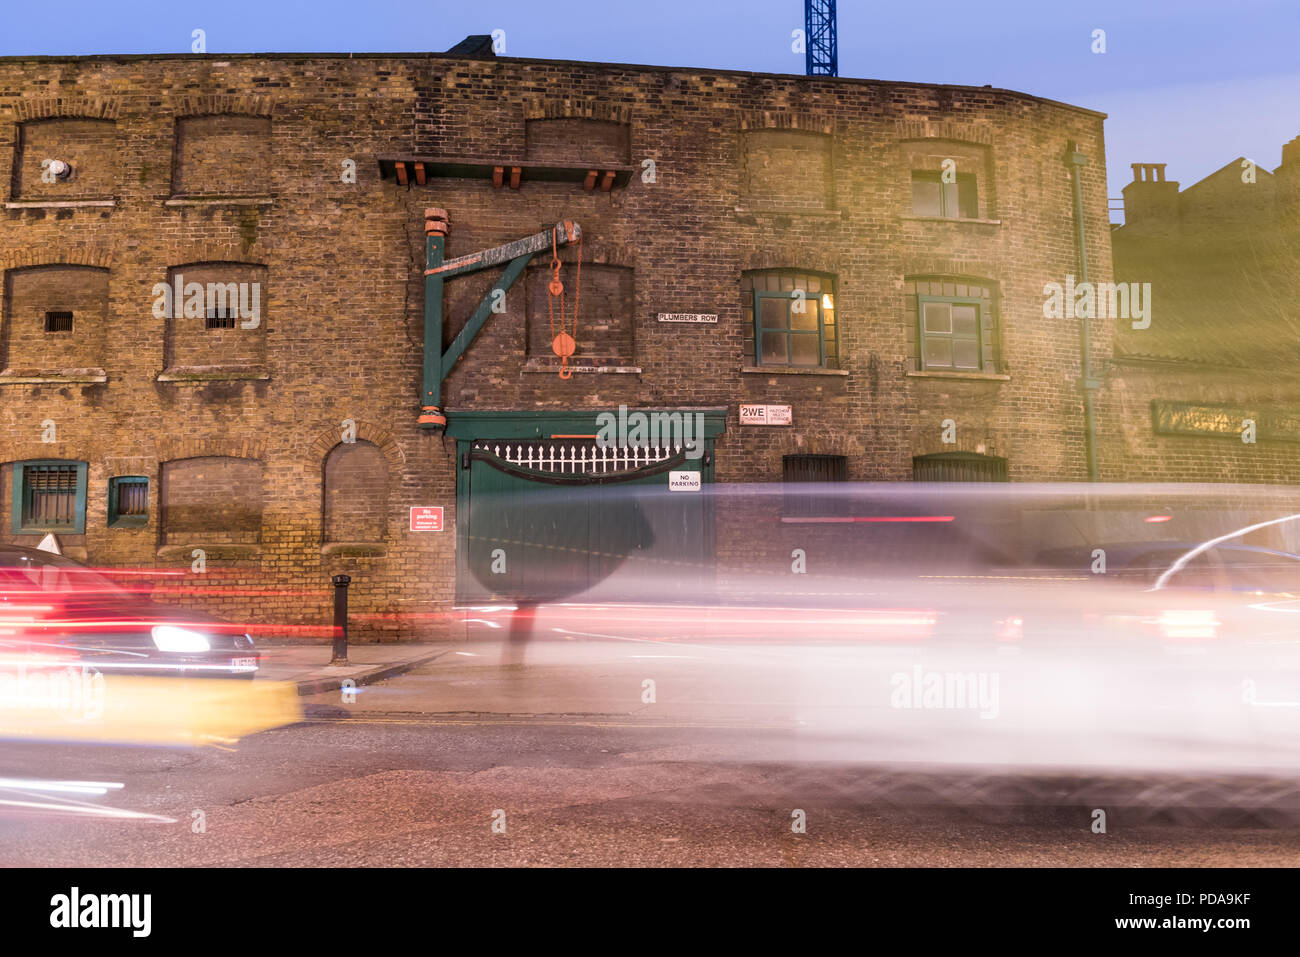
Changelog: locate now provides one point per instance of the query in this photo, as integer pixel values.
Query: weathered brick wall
(577, 139)
(342, 326)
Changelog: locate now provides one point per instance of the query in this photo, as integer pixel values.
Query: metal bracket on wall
(515, 255)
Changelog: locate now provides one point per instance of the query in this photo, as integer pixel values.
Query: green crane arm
(437, 363)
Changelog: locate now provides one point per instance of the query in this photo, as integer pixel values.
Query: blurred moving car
(56, 610)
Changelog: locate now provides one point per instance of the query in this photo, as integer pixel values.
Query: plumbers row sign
(766, 415)
(688, 317)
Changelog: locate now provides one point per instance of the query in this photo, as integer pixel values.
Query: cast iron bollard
(341, 583)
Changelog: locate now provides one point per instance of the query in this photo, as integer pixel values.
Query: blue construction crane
(820, 56)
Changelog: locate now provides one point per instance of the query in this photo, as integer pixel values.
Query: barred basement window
(820, 469)
(959, 467)
(58, 322)
(128, 501)
(220, 318)
(49, 496)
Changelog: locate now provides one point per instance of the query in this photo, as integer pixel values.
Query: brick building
(892, 238)
(1221, 348)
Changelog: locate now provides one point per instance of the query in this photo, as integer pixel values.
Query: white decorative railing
(571, 458)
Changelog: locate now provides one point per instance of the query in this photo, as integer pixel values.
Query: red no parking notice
(426, 518)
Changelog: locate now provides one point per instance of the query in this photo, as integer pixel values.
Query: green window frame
(956, 200)
(950, 330)
(49, 495)
(128, 501)
(777, 321)
(768, 305)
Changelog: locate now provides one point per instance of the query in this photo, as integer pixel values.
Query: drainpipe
(1078, 161)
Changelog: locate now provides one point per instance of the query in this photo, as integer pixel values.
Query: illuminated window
(791, 318)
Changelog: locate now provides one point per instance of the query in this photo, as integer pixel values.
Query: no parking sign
(426, 518)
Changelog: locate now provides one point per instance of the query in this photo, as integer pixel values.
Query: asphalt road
(390, 780)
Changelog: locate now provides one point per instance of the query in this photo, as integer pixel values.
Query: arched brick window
(950, 179)
(218, 320)
(355, 493)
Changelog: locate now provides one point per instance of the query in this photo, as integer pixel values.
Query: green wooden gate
(550, 515)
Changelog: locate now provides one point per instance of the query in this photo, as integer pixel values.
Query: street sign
(766, 415)
(426, 518)
(688, 317)
(683, 481)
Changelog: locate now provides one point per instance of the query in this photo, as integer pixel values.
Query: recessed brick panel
(787, 168)
(90, 146)
(30, 294)
(605, 310)
(222, 156)
(193, 342)
(212, 500)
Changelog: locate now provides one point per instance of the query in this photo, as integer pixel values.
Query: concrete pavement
(309, 665)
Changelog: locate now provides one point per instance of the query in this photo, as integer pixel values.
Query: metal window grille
(132, 499)
(50, 496)
(57, 321)
(821, 469)
(220, 318)
(577, 458)
(959, 467)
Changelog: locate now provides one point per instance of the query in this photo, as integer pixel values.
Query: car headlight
(171, 638)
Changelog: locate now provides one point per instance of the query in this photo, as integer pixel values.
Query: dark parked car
(56, 610)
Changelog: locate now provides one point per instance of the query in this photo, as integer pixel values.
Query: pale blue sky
(1190, 83)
